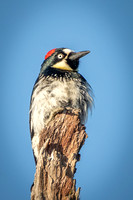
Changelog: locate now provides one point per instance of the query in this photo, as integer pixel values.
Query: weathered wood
(60, 143)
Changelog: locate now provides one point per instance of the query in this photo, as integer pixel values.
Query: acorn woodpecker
(58, 86)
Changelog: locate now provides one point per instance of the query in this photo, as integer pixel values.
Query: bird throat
(58, 73)
(62, 65)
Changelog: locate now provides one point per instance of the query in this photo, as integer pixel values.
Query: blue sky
(28, 30)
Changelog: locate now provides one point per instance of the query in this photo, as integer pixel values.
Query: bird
(58, 86)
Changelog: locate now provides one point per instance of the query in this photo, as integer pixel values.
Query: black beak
(77, 55)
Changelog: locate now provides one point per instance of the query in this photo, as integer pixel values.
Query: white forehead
(67, 51)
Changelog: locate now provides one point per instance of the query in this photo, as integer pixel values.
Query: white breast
(51, 94)
(49, 98)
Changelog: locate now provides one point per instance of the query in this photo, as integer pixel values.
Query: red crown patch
(50, 53)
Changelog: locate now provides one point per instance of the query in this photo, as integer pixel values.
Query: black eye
(60, 56)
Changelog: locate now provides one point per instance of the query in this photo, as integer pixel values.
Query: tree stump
(59, 146)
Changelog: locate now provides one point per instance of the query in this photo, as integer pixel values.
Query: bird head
(62, 59)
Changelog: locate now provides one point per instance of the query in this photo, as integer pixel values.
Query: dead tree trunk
(59, 146)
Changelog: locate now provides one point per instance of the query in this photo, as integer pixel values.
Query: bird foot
(62, 110)
(54, 113)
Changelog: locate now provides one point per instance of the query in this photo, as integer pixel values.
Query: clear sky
(105, 27)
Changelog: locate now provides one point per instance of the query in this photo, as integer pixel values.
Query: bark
(60, 143)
